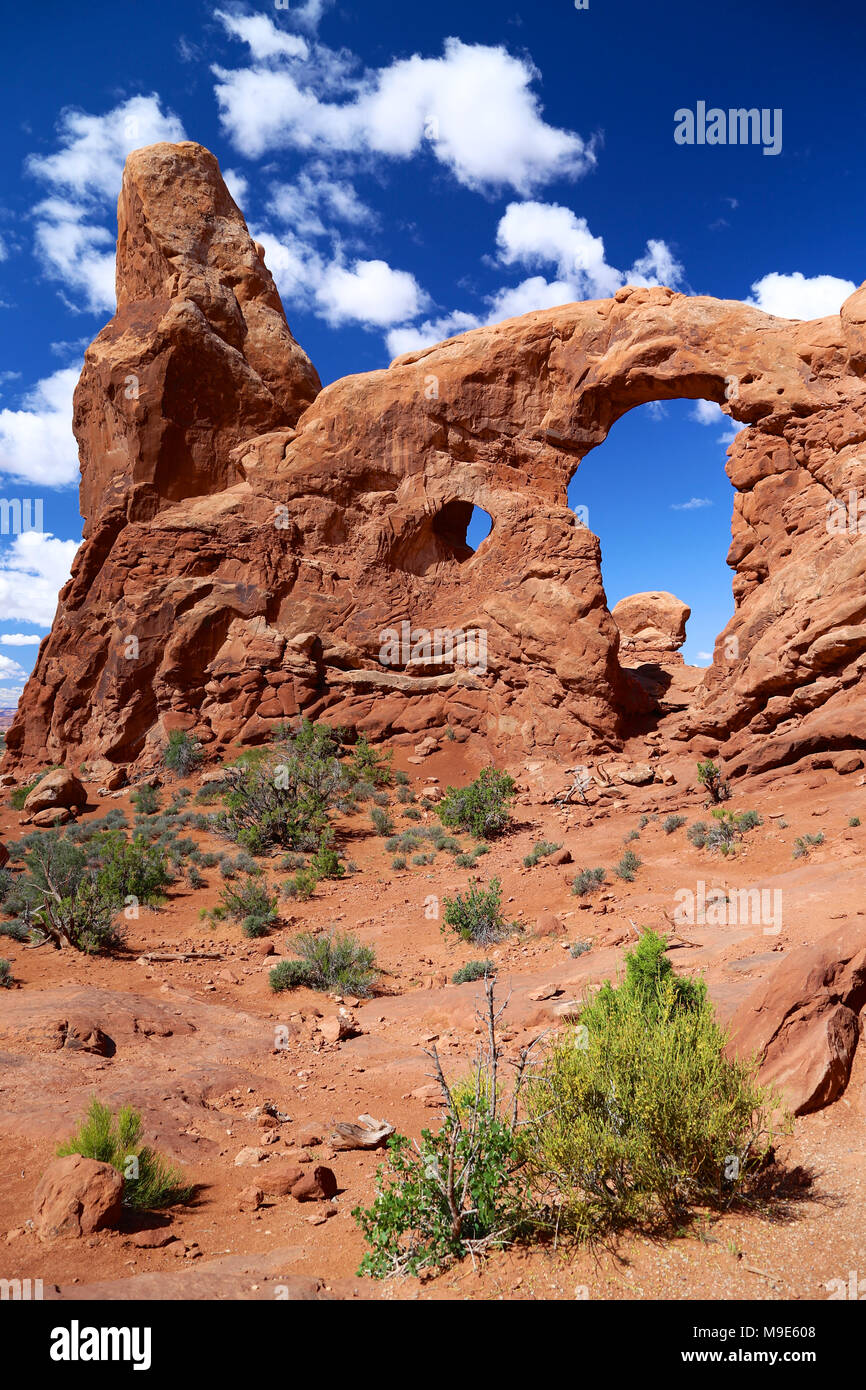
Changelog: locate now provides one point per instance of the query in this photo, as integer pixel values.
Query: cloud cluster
(472, 109)
(36, 442)
(33, 569)
(546, 236)
(798, 296)
(83, 178)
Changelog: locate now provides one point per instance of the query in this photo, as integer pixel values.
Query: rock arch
(297, 525)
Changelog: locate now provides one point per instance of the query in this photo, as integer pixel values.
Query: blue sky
(418, 170)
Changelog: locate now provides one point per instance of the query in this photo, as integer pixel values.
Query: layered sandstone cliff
(249, 543)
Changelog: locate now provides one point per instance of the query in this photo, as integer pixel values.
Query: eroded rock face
(247, 558)
(802, 1024)
(655, 620)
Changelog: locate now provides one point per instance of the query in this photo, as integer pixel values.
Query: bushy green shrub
(697, 834)
(326, 863)
(7, 979)
(710, 777)
(146, 799)
(476, 915)
(382, 822)
(728, 828)
(283, 796)
(672, 823)
(250, 900)
(587, 881)
(182, 754)
(482, 807)
(473, 970)
(302, 886)
(66, 900)
(398, 862)
(149, 1181)
(804, 843)
(638, 1114)
(366, 765)
(336, 962)
(627, 866)
(540, 850)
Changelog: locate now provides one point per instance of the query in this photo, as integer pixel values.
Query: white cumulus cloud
(83, 175)
(10, 670)
(36, 442)
(20, 639)
(33, 570)
(262, 36)
(473, 109)
(372, 292)
(799, 296)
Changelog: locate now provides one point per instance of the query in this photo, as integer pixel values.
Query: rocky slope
(253, 545)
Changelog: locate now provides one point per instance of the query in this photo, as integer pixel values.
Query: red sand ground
(195, 1084)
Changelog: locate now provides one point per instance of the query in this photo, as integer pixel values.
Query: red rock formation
(246, 558)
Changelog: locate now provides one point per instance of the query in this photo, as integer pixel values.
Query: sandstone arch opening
(449, 537)
(656, 494)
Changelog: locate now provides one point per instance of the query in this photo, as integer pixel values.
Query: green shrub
(632, 835)
(16, 931)
(405, 795)
(302, 886)
(398, 862)
(285, 795)
(672, 823)
(195, 879)
(401, 778)
(473, 970)
(579, 948)
(854, 821)
(337, 962)
(325, 863)
(182, 754)
(146, 800)
(460, 1191)
(250, 900)
(148, 1180)
(697, 834)
(482, 807)
(7, 979)
(67, 901)
(289, 974)
(382, 822)
(476, 915)
(131, 868)
(366, 765)
(729, 828)
(804, 843)
(587, 881)
(627, 866)
(412, 813)
(638, 1114)
(710, 777)
(540, 850)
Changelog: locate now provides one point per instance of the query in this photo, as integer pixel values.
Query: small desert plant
(672, 823)
(632, 835)
(7, 980)
(579, 948)
(854, 821)
(366, 765)
(302, 886)
(250, 902)
(289, 974)
(382, 822)
(710, 777)
(336, 962)
(146, 800)
(729, 827)
(182, 754)
(627, 866)
(697, 834)
(460, 1191)
(473, 970)
(541, 849)
(804, 843)
(326, 863)
(398, 862)
(587, 881)
(148, 1180)
(482, 807)
(476, 915)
